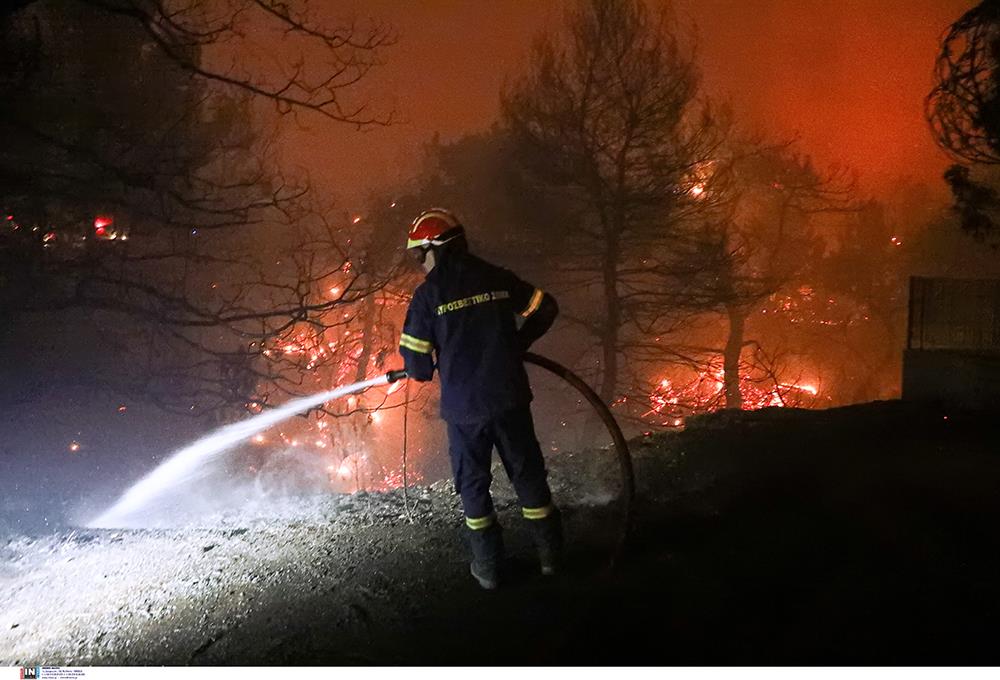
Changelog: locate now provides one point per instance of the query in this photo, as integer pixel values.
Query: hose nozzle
(393, 376)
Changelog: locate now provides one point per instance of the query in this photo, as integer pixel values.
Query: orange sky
(847, 78)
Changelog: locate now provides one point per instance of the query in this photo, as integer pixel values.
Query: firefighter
(473, 321)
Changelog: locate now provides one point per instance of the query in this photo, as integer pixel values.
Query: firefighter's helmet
(434, 227)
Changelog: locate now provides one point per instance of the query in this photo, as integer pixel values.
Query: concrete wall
(955, 377)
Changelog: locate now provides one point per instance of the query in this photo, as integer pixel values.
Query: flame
(811, 389)
(329, 352)
(706, 392)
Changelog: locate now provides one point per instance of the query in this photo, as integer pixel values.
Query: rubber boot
(548, 536)
(487, 553)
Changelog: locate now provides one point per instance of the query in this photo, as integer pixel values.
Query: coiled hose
(627, 499)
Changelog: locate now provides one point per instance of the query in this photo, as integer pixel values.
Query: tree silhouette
(769, 240)
(609, 108)
(963, 110)
(141, 187)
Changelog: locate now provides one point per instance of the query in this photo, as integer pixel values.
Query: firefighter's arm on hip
(416, 343)
(538, 310)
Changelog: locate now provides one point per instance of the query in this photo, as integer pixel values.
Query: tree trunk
(612, 322)
(731, 358)
(592, 431)
(361, 371)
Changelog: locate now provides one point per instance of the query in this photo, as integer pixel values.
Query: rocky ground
(861, 535)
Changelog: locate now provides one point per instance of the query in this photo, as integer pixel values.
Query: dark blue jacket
(467, 313)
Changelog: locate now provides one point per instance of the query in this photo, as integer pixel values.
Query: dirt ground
(863, 535)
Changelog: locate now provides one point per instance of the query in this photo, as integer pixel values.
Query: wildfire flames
(671, 402)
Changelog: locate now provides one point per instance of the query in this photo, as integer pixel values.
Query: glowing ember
(706, 392)
(74, 446)
(393, 479)
(337, 346)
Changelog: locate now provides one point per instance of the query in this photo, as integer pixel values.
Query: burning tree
(673, 218)
(357, 292)
(610, 110)
(767, 244)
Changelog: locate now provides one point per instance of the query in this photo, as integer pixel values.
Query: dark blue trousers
(470, 446)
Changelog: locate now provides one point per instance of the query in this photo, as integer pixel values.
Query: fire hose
(618, 443)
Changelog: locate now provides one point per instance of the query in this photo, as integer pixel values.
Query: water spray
(184, 464)
(187, 462)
